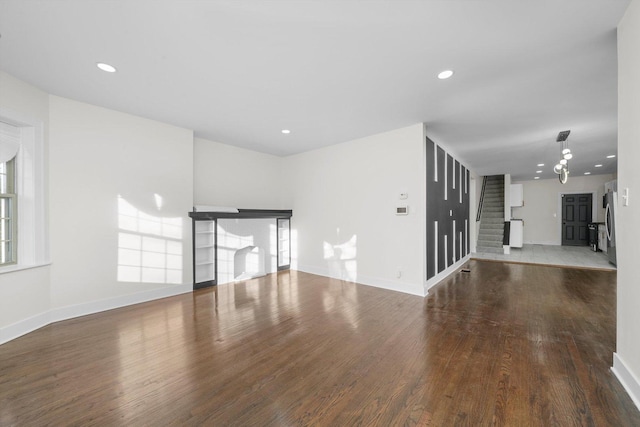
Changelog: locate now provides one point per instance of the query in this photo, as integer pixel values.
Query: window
(8, 217)
(24, 238)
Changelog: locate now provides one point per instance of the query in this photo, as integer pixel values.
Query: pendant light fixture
(562, 167)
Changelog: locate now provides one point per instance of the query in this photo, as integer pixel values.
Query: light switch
(625, 197)
(404, 195)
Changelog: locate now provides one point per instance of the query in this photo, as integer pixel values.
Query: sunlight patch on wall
(342, 259)
(149, 247)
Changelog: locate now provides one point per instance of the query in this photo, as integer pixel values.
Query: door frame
(594, 209)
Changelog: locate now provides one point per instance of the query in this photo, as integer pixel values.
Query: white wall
(627, 357)
(23, 294)
(343, 199)
(229, 176)
(234, 234)
(542, 212)
(106, 169)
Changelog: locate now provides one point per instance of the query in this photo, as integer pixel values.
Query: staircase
(492, 216)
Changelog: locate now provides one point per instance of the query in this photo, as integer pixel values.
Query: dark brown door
(576, 215)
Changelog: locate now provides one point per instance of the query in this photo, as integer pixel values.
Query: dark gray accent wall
(447, 210)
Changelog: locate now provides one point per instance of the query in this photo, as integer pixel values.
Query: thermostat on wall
(402, 210)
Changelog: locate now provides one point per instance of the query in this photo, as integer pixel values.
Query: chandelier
(562, 167)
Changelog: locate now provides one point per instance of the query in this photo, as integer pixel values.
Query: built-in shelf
(205, 238)
(204, 246)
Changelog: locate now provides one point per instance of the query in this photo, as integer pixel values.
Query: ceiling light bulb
(587, 173)
(557, 168)
(537, 177)
(540, 165)
(598, 166)
(611, 156)
(538, 171)
(286, 131)
(565, 151)
(106, 67)
(568, 156)
(563, 162)
(445, 74)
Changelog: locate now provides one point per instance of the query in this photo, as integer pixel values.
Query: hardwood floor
(506, 344)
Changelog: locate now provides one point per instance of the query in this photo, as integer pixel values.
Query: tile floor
(574, 256)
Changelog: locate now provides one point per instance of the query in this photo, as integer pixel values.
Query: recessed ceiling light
(611, 156)
(598, 166)
(587, 173)
(537, 177)
(445, 74)
(540, 165)
(286, 131)
(538, 171)
(106, 67)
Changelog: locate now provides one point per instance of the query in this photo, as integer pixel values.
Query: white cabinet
(515, 234)
(517, 195)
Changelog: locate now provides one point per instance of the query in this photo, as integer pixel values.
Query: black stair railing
(484, 185)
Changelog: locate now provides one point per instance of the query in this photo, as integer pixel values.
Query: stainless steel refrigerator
(611, 205)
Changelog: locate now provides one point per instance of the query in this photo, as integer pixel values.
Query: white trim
(435, 244)
(435, 162)
(33, 240)
(446, 176)
(376, 282)
(461, 185)
(18, 267)
(453, 243)
(22, 327)
(446, 250)
(466, 227)
(444, 273)
(628, 380)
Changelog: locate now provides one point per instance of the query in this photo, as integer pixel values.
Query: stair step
(490, 250)
(492, 227)
(497, 227)
(492, 222)
(497, 203)
(490, 238)
(489, 244)
(490, 214)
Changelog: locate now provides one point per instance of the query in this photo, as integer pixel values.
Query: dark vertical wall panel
(448, 216)
(440, 187)
(445, 212)
(467, 210)
(432, 208)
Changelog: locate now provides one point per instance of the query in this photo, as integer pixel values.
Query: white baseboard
(628, 380)
(407, 288)
(77, 310)
(37, 321)
(444, 273)
(23, 327)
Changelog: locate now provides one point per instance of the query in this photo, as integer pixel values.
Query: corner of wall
(626, 377)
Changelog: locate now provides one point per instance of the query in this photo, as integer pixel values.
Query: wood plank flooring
(506, 344)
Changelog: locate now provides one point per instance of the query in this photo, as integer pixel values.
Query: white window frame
(13, 214)
(31, 196)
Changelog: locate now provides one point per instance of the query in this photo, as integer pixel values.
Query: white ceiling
(239, 71)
